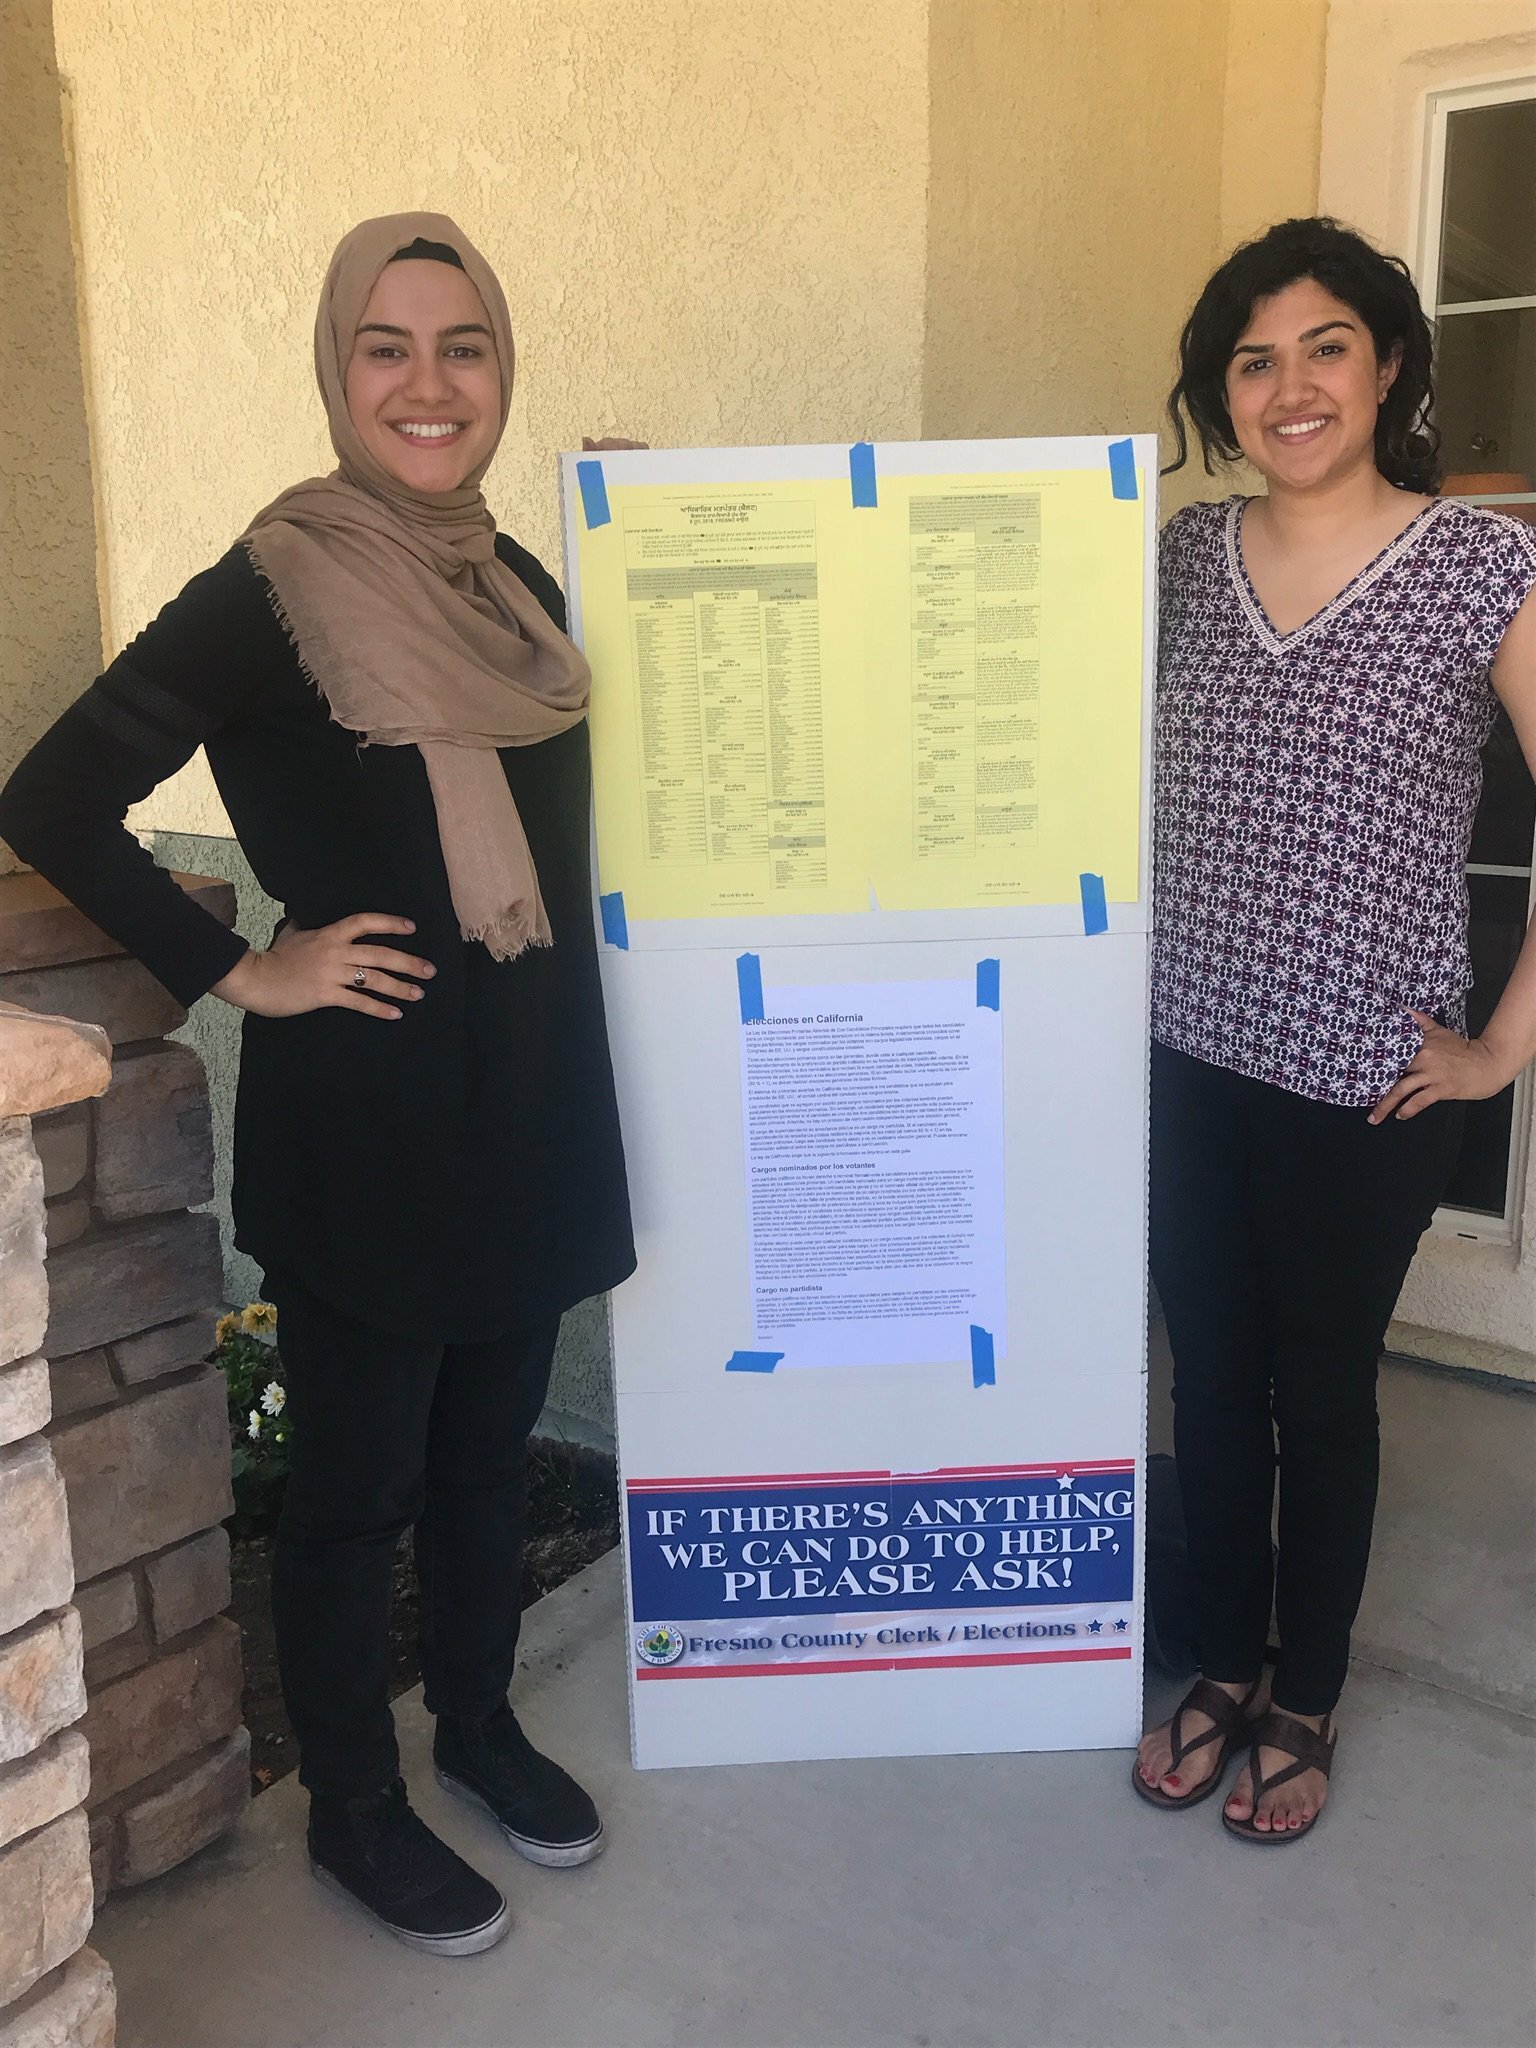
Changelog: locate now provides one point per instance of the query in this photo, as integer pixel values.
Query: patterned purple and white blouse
(1315, 797)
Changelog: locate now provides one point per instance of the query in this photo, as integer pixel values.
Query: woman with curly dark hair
(1332, 658)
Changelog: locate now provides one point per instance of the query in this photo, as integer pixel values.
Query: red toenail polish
(1171, 1780)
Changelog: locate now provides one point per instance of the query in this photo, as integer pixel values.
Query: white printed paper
(874, 1144)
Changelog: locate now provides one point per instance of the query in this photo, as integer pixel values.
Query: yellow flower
(260, 1316)
(225, 1328)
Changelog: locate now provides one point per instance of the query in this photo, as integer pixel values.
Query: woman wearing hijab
(428, 1163)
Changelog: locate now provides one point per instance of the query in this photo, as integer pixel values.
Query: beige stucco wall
(1076, 173)
(708, 214)
(49, 625)
(1091, 161)
(1272, 114)
(1384, 57)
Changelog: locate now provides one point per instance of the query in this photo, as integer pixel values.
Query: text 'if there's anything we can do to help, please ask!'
(873, 1571)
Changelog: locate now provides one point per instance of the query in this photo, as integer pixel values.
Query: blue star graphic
(1095, 1627)
(1121, 1626)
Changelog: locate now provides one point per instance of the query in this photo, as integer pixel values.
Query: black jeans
(1281, 1232)
(391, 1433)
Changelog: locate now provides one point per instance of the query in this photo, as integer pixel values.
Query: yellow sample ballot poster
(1004, 689)
(803, 704)
(724, 626)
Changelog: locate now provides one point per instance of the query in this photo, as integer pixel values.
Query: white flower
(273, 1398)
(253, 1427)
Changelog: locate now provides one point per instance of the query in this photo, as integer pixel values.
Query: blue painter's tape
(988, 989)
(983, 1364)
(594, 493)
(1122, 469)
(615, 924)
(753, 1361)
(1095, 909)
(861, 474)
(749, 983)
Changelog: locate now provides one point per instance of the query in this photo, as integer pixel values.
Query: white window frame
(1439, 106)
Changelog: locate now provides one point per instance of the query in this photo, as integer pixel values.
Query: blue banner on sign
(750, 1550)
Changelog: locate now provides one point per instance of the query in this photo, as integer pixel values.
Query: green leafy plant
(260, 1426)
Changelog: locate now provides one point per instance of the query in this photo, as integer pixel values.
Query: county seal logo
(662, 1644)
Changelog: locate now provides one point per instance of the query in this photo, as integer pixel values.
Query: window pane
(1481, 1179)
(1497, 930)
(1485, 400)
(1506, 818)
(1488, 241)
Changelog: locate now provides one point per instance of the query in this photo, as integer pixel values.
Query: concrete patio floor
(965, 1902)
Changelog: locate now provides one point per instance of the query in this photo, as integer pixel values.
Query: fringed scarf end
(511, 933)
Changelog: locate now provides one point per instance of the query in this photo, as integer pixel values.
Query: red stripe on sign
(882, 1664)
(1009, 1471)
(740, 1481)
(765, 1479)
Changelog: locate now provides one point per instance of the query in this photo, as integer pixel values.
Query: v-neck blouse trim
(1281, 643)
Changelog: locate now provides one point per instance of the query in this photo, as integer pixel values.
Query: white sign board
(870, 734)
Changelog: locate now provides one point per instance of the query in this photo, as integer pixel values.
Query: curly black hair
(1375, 286)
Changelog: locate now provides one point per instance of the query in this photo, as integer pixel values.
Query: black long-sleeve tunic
(445, 1175)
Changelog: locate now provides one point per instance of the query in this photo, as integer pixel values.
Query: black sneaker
(541, 1810)
(380, 1854)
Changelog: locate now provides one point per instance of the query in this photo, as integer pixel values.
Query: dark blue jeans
(390, 1434)
(1281, 1232)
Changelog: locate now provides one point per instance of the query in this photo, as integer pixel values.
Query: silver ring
(360, 979)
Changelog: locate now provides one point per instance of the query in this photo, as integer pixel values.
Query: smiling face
(1304, 387)
(423, 383)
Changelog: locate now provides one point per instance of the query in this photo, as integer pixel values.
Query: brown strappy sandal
(1231, 1730)
(1311, 1749)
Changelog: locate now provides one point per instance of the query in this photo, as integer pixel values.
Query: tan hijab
(406, 621)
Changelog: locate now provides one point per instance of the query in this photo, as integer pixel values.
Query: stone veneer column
(54, 1992)
(139, 1429)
